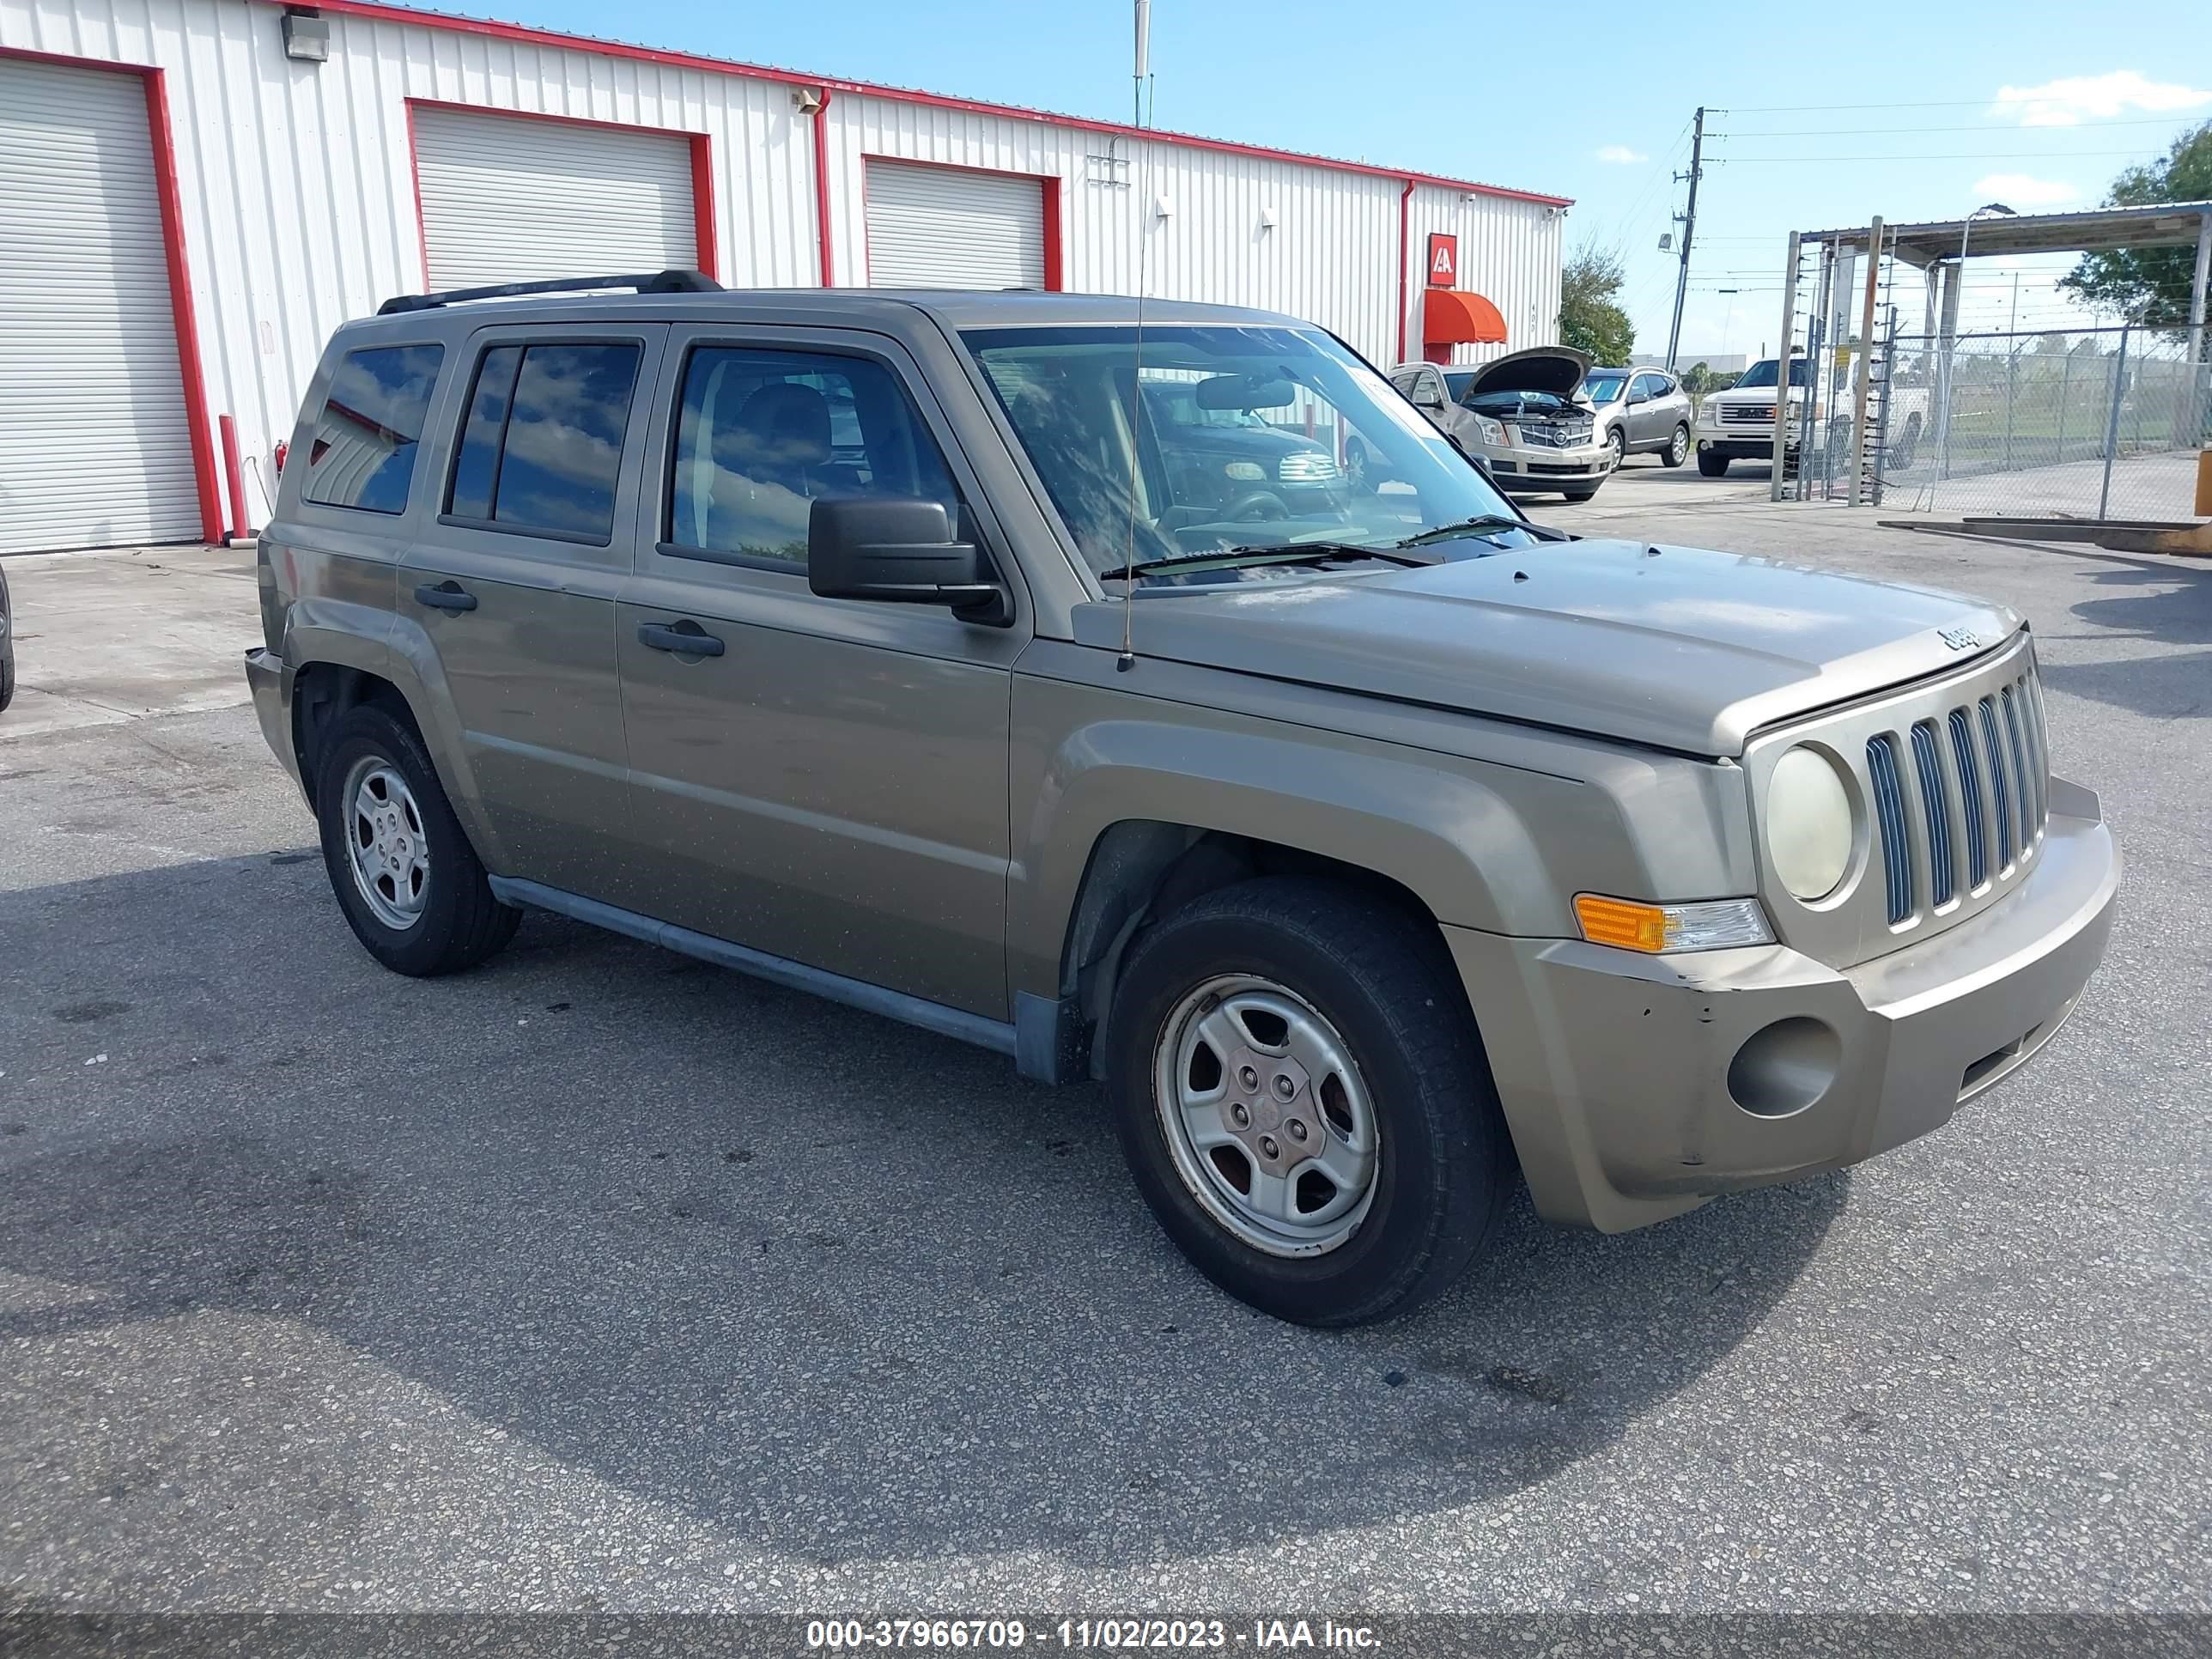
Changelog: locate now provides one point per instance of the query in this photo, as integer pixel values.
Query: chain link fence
(2100, 422)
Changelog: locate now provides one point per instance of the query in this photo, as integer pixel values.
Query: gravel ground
(602, 1280)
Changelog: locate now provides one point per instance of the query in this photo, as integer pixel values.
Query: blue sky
(1534, 97)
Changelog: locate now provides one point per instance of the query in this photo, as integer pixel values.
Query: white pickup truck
(1738, 424)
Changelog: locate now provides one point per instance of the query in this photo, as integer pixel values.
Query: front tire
(410, 884)
(1678, 447)
(1711, 465)
(1619, 441)
(1302, 1096)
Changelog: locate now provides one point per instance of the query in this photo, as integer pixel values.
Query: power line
(1923, 156)
(1823, 132)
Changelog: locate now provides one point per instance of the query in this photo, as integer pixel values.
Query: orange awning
(1453, 317)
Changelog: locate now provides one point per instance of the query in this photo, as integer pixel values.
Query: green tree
(1698, 378)
(2151, 283)
(1590, 320)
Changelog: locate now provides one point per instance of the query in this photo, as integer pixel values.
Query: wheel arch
(1117, 846)
(335, 670)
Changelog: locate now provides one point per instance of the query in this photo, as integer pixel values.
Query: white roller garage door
(508, 199)
(95, 447)
(939, 227)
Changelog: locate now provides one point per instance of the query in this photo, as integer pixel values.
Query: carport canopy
(2161, 224)
(1454, 316)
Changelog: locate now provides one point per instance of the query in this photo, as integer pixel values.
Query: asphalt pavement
(599, 1279)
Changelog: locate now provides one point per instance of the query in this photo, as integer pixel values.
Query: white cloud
(2067, 102)
(2018, 190)
(1620, 154)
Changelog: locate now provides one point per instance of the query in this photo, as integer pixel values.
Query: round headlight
(1808, 823)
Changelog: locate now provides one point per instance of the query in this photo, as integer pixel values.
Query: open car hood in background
(1555, 369)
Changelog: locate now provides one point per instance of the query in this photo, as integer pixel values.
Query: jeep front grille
(1994, 768)
(1952, 775)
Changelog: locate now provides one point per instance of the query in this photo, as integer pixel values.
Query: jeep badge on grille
(1959, 639)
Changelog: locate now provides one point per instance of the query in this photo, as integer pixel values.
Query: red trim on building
(701, 146)
(1405, 234)
(536, 37)
(415, 179)
(1050, 187)
(180, 302)
(823, 240)
(206, 480)
(705, 235)
(1055, 245)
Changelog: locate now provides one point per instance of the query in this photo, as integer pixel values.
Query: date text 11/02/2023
(1104, 1634)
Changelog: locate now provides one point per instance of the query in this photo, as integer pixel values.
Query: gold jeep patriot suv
(990, 662)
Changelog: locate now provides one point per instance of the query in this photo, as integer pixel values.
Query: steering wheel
(1256, 507)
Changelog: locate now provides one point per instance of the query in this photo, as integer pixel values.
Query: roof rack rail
(658, 282)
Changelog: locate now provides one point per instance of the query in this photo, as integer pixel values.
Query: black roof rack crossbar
(658, 282)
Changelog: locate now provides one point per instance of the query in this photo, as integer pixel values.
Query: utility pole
(1689, 228)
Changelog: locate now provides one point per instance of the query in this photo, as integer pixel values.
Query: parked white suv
(1738, 424)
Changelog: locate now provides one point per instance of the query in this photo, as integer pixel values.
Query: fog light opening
(1785, 1067)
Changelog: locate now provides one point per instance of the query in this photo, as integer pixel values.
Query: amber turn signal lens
(1705, 925)
(1619, 922)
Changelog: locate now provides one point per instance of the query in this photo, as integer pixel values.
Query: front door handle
(685, 638)
(446, 596)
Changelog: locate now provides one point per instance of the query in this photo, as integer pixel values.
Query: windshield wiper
(1230, 558)
(1481, 524)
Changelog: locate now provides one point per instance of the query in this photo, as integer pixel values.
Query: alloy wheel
(1266, 1117)
(386, 846)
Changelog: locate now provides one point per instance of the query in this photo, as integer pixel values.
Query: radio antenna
(1127, 659)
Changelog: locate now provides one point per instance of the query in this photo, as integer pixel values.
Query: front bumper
(1528, 468)
(271, 682)
(1742, 443)
(1621, 1073)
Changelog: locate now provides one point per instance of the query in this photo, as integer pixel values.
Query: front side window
(541, 444)
(761, 436)
(1319, 448)
(362, 453)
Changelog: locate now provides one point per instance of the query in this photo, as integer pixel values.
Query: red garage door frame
(1050, 187)
(186, 317)
(706, 238)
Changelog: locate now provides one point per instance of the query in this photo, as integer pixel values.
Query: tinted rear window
(362, 451)
(542, 442)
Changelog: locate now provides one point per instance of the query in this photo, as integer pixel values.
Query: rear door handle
(685, 638)
(446, 596)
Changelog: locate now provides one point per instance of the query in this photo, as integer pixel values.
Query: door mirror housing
(897, 551)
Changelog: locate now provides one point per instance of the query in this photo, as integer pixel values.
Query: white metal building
(191, 200)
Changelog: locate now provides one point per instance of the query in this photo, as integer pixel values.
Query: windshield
(1603, 388)
(1246, 437)
(1763, 372)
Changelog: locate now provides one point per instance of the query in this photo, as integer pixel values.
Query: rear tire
(1711, 465)
(403, 870)
(1364, 1055)
(1678, 448)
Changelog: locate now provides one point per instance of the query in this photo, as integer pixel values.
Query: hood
(1674, 647)
(1556, 369)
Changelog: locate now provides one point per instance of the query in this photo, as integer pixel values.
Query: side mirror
(901, 551)
(1636, 398)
